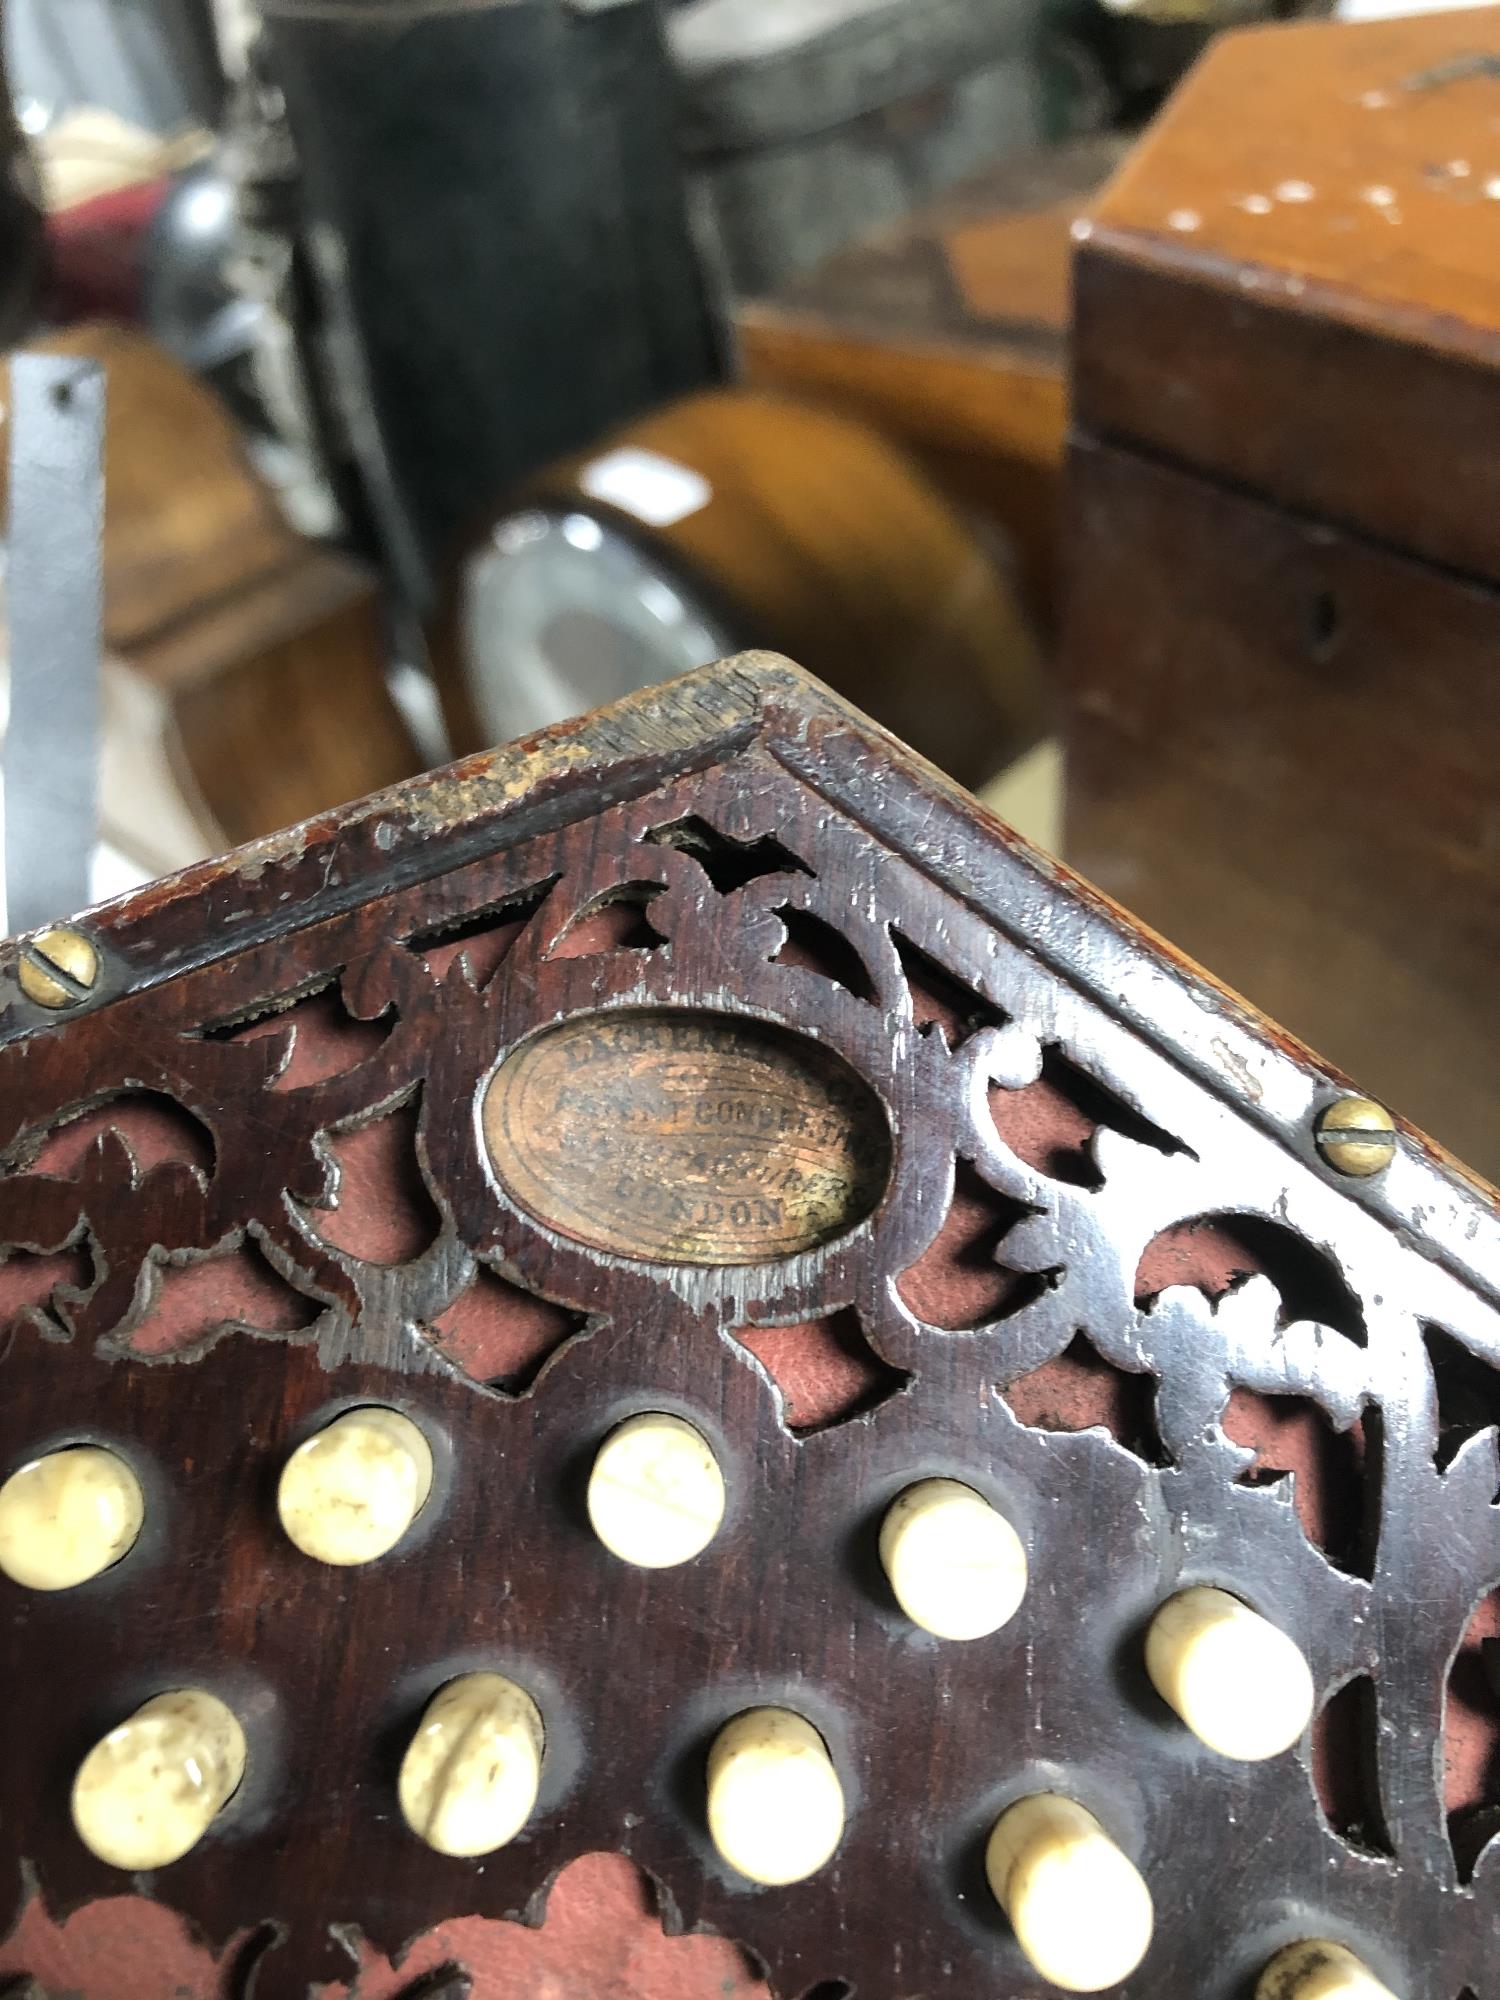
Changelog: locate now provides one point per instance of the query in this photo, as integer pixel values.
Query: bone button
(1237, 1681)
(775, 1804)
(656, 1494)
(957, 1567)
(469, 1778)
(1080, 1911)
(1314, 1970)
(67, 1517)
(348, 1494)
(149, 1791)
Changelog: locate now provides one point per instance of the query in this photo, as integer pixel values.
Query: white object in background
(149, 1791)
(956, 1565)
(1237, 1681)
(150, 810)
(561, 613)
(775, 1804)
(1079, 1909)
(68, 1516)
(1028, 795)
(470, 1776)
(89, 151)
(656, 1494)
(1385, 10)
(348, 1494)
(654, 489)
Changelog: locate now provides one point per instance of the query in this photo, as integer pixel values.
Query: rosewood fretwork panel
(714, 1057)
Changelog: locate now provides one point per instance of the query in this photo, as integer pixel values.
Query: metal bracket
(54, 592)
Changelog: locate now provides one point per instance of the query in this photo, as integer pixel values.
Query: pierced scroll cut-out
(1052, 1123)
(235, 1288)
(483, 938)
(826, 1369)
(1333, 1473)
(1471, 1737)
(941, 1002)
(319, 1035)
(816, 946)
(380, 1209)
(500, 1334)
(1346, 1766)
(1215, 1252)
(961, 1280)
(728, 863)
(42, 1283)
(1081, 1389)
(617, 921)
(600, 1912)
(156, 1129)
(1467, 1387)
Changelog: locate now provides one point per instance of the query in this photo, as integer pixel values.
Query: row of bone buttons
(656, 1498)
(1080, 1911)
(958, 1569)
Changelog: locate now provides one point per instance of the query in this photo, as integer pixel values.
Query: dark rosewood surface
(1088, 1261)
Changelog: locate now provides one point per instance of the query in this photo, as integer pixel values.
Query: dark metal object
(54, 594)
(741, 808)
(494, 226)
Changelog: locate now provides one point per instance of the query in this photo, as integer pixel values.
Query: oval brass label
(686, 1137)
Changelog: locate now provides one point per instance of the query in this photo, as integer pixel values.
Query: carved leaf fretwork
(265, 1187)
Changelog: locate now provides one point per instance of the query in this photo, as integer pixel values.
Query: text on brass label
(678, 1136)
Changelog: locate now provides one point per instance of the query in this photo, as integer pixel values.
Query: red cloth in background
(96, 252)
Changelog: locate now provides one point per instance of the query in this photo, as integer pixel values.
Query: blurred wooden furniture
(948, 332)
(1284, 617)
(260, 653)
(795, 528)
(806, 127)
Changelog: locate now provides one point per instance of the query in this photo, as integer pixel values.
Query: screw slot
(58, 968)
(1355, 1136)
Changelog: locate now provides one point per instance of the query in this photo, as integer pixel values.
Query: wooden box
(1282, 645)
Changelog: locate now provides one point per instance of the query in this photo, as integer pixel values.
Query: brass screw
(58, 968)
(1356, 1136)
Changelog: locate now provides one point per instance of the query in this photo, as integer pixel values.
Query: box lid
(1294, 282)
